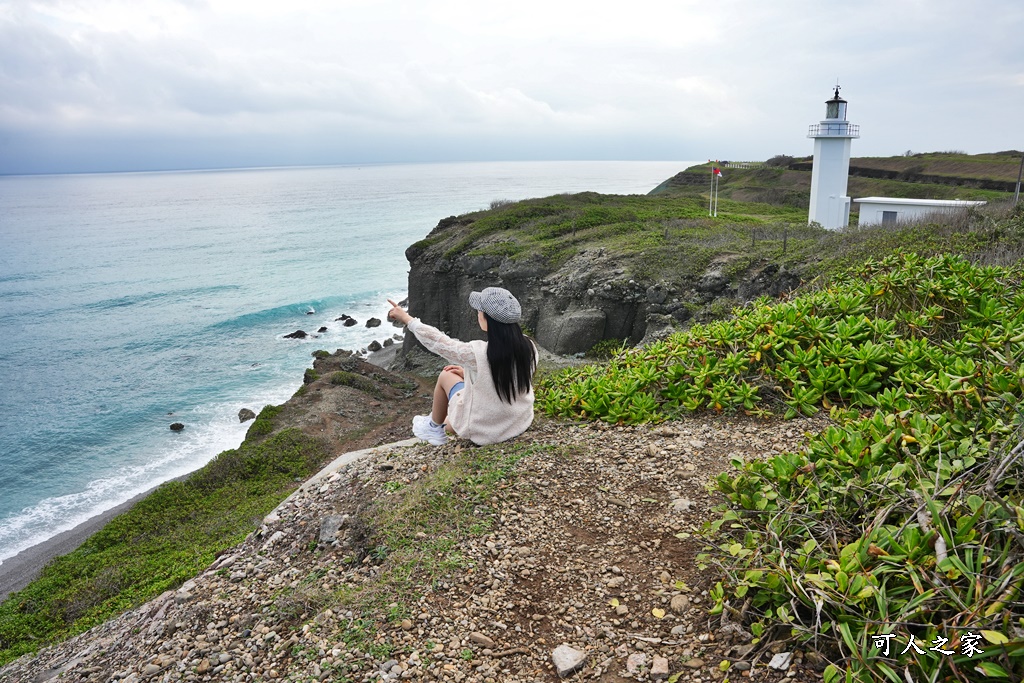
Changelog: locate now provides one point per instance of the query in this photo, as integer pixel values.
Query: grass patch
(165, 539)
(415, 533)
(354, 380)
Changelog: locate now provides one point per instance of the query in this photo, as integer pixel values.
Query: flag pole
(716, 195)
(711, 194)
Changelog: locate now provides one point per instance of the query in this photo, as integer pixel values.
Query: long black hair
(512, 358)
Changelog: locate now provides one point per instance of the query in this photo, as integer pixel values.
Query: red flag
(717, 172)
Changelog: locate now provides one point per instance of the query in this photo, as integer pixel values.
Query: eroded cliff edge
(577, 286)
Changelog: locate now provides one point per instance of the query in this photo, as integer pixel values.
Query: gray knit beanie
(497, 303)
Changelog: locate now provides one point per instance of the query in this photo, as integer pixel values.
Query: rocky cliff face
(573, 305)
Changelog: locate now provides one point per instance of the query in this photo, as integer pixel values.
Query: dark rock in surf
(297, 334)
(244, 415)
(349, 322)
(177, 427)
(373, 322)
(374, 346)
(322, 329)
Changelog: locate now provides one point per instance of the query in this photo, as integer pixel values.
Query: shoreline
(20, 570)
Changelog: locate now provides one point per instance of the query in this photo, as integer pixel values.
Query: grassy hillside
(669, 236)
(786, 181)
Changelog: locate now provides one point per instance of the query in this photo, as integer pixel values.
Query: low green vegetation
(904, 517)
(166, 538)
(264, 422)
(653, 233)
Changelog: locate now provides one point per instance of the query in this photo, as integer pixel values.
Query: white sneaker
(422, 428)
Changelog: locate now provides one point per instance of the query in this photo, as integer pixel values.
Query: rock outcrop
(587, 298)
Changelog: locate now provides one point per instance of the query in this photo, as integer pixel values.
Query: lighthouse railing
(839, 130)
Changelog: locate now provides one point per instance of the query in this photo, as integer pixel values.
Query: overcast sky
(99, 85)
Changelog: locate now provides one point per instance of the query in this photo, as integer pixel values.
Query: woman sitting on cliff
(488, 396)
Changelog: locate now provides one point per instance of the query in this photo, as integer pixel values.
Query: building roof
(947, 203)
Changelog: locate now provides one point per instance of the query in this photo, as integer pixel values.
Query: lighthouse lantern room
(830, 206)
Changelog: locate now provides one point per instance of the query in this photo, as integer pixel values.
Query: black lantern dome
(835, 108)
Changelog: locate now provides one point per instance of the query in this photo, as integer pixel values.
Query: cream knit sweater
(476, 412)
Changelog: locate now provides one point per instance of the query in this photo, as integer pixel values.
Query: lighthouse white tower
(829, 204)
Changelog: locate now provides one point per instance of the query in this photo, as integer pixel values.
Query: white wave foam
(210, 430)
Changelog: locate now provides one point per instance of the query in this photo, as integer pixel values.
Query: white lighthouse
(829, 204)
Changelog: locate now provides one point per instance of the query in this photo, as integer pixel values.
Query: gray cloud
(153, 84)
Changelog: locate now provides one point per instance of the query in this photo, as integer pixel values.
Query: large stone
(177, 427)
(244, 415)
(656, 294)
(297, 334)
(475, 265)
(635, 662)
(572, 332)
(681, 314)
(373, 322)
(568, 660)
(330, 526)
(769, 280)
(713, 282)
(659, 669)
(481, 639)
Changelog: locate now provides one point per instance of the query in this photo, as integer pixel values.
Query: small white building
(832, 137)
(887, 210)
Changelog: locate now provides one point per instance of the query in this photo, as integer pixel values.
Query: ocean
(131, 301)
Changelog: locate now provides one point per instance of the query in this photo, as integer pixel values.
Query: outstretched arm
(434, 339)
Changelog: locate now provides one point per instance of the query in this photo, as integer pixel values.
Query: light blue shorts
(455, 387)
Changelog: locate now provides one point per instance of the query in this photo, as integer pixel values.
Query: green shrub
(264, 422)
(905, 516)
(321, 354)
(310, 376)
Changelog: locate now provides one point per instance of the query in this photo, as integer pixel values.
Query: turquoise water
(131, 301)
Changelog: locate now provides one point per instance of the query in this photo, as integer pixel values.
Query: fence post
(785, 235)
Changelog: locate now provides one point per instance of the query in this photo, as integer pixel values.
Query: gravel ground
(581, 568)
